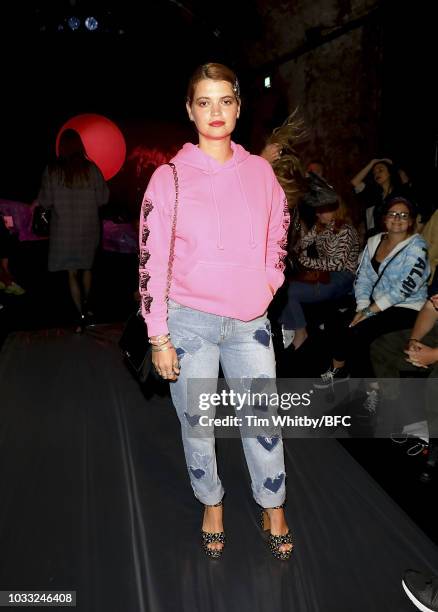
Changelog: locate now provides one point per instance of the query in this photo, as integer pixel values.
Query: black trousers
(389, 361)
(352, 344)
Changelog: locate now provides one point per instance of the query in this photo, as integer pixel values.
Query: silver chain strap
(173, 231)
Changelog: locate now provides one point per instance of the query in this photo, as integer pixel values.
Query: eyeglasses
(393, 214)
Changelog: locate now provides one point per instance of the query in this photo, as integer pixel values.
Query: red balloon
(103, 141)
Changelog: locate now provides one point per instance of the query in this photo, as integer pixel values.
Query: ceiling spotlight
(73, 23)
(91, 23)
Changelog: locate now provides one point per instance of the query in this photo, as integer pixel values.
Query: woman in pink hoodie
(227, 263)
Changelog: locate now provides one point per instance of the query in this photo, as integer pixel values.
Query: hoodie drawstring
(219, 244)
(252, 243)
(192, 156)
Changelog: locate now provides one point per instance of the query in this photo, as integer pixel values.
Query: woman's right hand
(271, 152)
(166, 363)
(412, 344)
(358, 317)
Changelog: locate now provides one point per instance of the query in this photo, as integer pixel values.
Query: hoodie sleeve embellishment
(146, 299)
(286, 215)
(282, 243)
(145, 234)
(145, 277)
(144, 257)
(147, 208)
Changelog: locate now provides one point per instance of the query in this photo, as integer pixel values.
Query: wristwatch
(367, 312)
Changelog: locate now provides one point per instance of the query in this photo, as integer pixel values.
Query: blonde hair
(288, 168)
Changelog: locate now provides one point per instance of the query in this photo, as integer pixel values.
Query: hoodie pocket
(228, 288)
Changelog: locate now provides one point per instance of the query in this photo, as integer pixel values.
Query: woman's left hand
(421, 355)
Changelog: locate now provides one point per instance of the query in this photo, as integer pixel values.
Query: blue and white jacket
(404, 280)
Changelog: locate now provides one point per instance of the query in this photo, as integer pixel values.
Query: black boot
(89, 314)
(80, 324)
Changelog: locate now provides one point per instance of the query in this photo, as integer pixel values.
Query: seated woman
(375, 185)
(390, 289)
(330, 247)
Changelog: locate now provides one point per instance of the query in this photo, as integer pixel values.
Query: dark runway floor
(95, 498)
(95, 495)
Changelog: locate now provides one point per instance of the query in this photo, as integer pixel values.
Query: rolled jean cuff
(268, 501)
(209, 499)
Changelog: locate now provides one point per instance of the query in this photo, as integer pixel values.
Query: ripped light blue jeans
(244, 350)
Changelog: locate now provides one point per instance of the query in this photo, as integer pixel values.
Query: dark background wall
(355, 69)
(360, 72)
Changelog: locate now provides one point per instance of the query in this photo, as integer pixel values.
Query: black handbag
(41, 221)
(134, 341)
(135, 347)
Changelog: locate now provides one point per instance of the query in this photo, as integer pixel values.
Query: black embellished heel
(209, 537)
(275, 541)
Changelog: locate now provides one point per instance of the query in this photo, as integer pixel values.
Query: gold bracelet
(159, 340)
(161, 344)
(165, 348)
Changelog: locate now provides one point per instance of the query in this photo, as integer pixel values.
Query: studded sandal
(276, 541)
(209, 537)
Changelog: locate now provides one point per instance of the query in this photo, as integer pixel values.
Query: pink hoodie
(230, 237)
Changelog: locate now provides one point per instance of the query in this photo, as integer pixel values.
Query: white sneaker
(14, 289)
(422, 590)
(331, 377)
(417, 449)
(417, 430)
(372, 401)
(288, 336)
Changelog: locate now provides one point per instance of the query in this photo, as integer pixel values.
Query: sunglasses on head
(393, 214)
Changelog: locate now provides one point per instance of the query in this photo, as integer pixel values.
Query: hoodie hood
(374, 241)
(191, 155)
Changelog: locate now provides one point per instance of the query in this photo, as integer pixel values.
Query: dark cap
(319, 193)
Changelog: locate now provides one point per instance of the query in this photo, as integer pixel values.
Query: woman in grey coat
(73, 188)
